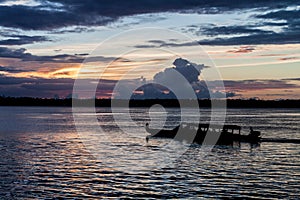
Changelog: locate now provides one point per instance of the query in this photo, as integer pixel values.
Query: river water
(44, 156)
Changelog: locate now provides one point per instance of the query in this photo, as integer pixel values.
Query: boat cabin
(233, 129)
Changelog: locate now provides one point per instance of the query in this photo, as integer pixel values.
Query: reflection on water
(42, 156)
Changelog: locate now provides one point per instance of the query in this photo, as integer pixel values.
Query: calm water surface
(43, 156)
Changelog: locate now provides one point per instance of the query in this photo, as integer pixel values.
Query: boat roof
(217, 126)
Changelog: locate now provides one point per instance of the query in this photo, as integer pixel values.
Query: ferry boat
(226, 134)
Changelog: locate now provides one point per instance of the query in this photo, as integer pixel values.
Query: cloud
(245, 35)
(273, 25)
(8, 80)
(243, 49)
(22, 39)
(256, 39)
(48, 88)
(53, 14)
(21, 54)
(246, 85)
(11, 69)
(289, 58)
(255, 34)
(145, 46)
(175, 82)
(213, 30)
(43, 87)
(13, 53)
(25, 17)
(292, 79)
(77, 29)
(65, 16)
(34, 87)
(248, 35)
(288, 15)
(114, 8)
(60, 58)
(190, 71)
(161, 43)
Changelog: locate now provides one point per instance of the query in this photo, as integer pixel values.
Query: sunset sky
(254, 45)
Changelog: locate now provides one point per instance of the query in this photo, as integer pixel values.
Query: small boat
(226, 134)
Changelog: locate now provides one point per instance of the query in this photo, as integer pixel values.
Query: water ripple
(54, 164)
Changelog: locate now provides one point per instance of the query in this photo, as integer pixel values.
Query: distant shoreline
(203, 103)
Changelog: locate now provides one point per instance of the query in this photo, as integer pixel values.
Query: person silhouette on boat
(254, 133)
(251, 129)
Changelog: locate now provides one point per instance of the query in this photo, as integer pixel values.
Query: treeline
(231, 103)
(28, 101)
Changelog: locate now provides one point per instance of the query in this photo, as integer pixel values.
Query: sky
(235, 49)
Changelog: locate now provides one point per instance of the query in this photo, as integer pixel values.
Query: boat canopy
(217, 126)
(226, 127)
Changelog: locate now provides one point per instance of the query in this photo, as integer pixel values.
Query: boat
(226, 134)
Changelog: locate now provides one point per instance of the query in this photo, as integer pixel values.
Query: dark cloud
(48, 88)
(233, 88)
(288, 19)
(53, 14)
(22, 39)
(254, 39)
(273, 24)
(13, 53)
(116, 8)
(11, 69)
(212, 30)
(161, 43)
(289, 58)
(34, 87)
(42, 87)
(168, 85)
(72, 30)
(31, 18)
(103, 59)
(251, 34)
(190, 71)
(8, 80)
(61, 58)
(288, 15)
(54, 86)
(65, 16)
(246, 85)
(38, 18)
(273, 55)
(236, 88)
(292, 79)
(243, 49)
(279, 95)
(145, 46)
(21, 54)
